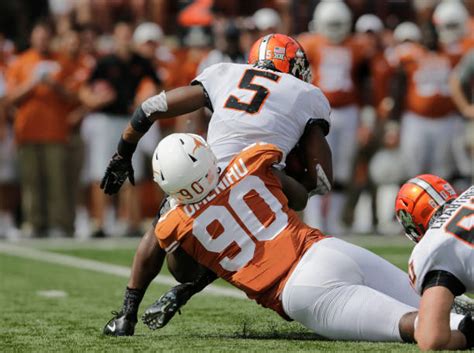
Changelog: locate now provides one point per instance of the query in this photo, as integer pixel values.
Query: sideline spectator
(116, 79)
(462, 89)
(336, 61)
(41, 134)
(8, 170)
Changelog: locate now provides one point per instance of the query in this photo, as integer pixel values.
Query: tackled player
(270, 99)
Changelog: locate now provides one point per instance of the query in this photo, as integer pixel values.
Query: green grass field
(31, 321)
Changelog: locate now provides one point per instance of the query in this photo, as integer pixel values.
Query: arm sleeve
(212, 74)
(444, 279)
(314, 108)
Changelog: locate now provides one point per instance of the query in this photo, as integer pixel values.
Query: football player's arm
(319, 177)
(433, 330)
(169, 104)
(294, 191)
(164, 105)
(459, 98)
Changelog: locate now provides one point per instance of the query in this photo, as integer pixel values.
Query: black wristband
(139, 121)
(466, 326)
(126, 149)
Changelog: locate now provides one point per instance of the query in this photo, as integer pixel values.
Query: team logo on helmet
(406, 220)
(280, 53)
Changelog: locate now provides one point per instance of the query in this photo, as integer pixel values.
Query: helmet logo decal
(279, 53)
(197, 144)
(408, 224)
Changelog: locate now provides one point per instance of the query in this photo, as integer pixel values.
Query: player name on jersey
(236, 172)
(451, 208)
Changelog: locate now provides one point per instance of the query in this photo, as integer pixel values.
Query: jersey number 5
(460, 231)
(261, 92)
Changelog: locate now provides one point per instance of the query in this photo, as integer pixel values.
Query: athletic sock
(131, 302)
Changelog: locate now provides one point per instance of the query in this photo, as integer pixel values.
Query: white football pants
(427, 144)
(342, 291)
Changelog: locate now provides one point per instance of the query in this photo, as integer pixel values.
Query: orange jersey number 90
(233, 232)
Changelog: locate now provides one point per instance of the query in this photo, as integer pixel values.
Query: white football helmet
(407, 31)
(332, 19)
(450, 19)
(185, 167)
(369, 23)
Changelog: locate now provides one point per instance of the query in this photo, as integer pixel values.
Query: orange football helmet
(281, 53)
(418, 200)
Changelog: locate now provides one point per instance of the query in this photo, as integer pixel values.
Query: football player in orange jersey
(236, 222)
(335, 60)
(451, 21)
(270, 99)
(422, 100)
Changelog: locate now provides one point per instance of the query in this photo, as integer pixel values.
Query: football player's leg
(334, 301)
(443, 133)
(414, 146)
(379, 274)
(146, 265)
(344, 144)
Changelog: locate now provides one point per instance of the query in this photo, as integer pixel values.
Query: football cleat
(163, 310)
(417, 202)
(281, 53)
(120, 325)
(463, 305)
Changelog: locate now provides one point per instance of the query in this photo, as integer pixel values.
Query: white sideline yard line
(102, 267)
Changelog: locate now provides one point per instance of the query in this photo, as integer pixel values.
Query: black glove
(118, 170)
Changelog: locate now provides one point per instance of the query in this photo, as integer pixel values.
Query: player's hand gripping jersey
(243, 230)
(447, 246)
(251, 104)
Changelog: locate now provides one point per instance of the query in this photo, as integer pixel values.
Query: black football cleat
(163, 310)
(463, 305)
(120, 325)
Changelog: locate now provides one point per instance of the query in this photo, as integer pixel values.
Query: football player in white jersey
(441, 265)
(269, 100)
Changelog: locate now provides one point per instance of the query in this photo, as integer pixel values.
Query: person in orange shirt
(41, 133)
(8, 170)
(422, 100)
(335, 59)
(75, 69)
(236, 222)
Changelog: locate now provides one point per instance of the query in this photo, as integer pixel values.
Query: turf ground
(54, 298)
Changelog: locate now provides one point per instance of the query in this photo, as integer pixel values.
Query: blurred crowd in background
(399, 75)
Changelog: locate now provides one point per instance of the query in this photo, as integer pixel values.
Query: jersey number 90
(232, 232)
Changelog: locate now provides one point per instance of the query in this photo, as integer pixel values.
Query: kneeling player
(442, 263)
(238, 225)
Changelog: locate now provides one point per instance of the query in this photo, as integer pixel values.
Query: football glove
(118, 170)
